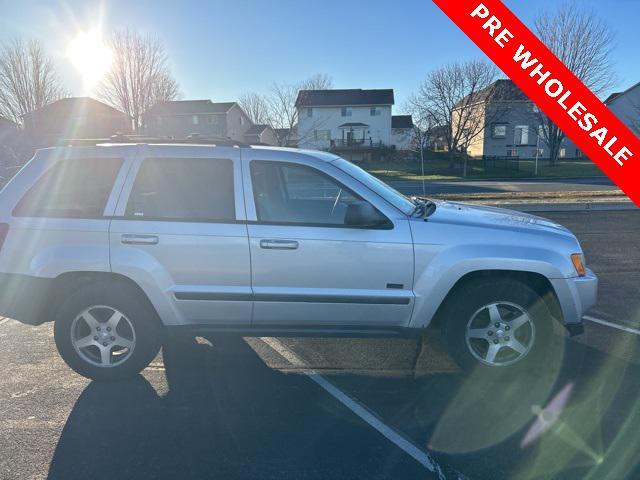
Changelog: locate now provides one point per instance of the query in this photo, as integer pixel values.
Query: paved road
(339, 408)
(411, 187)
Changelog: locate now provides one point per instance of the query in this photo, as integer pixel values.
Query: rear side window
(73, 188)
(184, 189)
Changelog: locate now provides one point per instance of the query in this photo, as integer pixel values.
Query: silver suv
(121, 245)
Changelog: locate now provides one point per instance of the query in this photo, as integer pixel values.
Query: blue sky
(223, 48)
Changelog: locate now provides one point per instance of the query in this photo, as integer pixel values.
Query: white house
(626, 106)
(354, 123)
(402, 132)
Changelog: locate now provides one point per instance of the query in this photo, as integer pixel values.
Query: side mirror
(363, 214)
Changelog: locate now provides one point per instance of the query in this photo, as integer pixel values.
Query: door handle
(132, 239)
(279, 244)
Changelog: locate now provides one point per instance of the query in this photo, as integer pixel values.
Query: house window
(522, 135)
(322, 135)
(375, 111)
(209, 119)
(195, 120)
(562, 153)
(241, 120)
(499, 130)
(578, 153)
(346, 111)
(309, 112)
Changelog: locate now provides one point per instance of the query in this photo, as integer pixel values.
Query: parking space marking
(612, 325)
(357, 408)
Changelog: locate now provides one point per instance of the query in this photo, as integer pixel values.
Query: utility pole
(537, 151)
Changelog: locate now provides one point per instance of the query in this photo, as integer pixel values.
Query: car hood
(492, 217)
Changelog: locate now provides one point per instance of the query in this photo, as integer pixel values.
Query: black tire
(142, 320)
(546, 346)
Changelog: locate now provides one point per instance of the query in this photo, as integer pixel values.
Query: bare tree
(319, 81)
(449, 98)
(423, 125)
(256, 107)
(583, 42)
(139, 77)
(278, 108)
(28, 80)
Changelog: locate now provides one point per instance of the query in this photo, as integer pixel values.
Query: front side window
(375, 111)
(73, 188)
(390, 194)
(183, 189)
(346, 111)
(290, 193)
(309, 112)
(195, 120)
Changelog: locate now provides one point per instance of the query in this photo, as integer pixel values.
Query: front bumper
(576, 295)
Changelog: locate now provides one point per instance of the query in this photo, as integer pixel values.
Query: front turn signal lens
(578, 263)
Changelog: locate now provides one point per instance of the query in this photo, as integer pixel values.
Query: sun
(91, 56)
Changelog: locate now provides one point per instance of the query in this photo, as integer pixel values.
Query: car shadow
(226, 415)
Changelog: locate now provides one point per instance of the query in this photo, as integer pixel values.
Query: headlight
(578, 263)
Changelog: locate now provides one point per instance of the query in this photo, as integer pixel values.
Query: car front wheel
(501, 325)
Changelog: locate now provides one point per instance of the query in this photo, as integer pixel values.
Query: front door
(311, 269)
(179, 230)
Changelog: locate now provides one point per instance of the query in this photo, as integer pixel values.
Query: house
(402, 132)
(181, 118)
(437, 138)
(511, 124)
(260, 135)
(75, 117)
(626, 106)
(287, 137)
(354, 123)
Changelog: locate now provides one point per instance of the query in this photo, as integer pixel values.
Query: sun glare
(90, 55)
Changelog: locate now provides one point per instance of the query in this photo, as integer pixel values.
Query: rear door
(179, 232)
(308, 267)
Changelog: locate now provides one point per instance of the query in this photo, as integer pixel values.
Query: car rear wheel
(106, 332)
(501, 325)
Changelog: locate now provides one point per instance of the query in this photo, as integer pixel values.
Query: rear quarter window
(72, 188)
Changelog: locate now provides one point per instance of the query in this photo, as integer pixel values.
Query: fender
(438, 268)
(152, 278)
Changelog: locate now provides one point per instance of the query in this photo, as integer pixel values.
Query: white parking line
(356, 407)
(612, 325)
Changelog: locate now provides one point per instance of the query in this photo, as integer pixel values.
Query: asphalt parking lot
(340, 408)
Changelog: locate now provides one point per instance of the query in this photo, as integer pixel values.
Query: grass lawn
(438, 169)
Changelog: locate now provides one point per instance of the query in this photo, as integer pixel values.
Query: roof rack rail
(193, 139)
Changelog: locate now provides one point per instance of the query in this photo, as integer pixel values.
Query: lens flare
(91, 56)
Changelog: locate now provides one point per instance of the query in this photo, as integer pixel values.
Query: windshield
(390, 194)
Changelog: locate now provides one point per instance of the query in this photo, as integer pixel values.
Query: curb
(566, 207)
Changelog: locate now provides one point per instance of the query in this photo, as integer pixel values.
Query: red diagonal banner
(552, 87)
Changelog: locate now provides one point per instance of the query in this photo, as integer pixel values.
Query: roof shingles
(401, 121)
(190, 107)
(355, 96)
